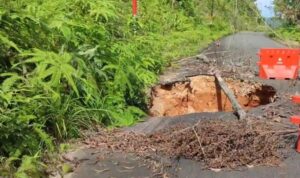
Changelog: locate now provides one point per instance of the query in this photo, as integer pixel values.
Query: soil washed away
(203, 94)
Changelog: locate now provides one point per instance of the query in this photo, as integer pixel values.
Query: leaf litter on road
(218, 144)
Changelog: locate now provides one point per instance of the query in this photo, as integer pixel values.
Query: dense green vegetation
(68, 65)
(288, 11)
(289, 33)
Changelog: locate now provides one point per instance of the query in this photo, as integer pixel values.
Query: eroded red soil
(202, 94)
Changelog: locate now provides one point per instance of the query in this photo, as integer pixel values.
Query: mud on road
(236, 58)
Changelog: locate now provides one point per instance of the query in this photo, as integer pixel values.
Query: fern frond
(44, 138)
(5, 40)
(9, 82)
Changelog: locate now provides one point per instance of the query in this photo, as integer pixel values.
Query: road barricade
(279, 63)
(296, 120)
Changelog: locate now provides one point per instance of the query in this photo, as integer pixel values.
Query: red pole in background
(134, 8)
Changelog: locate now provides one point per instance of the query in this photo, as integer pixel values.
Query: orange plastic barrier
(279, 63)
(296, 120)
(296, 99)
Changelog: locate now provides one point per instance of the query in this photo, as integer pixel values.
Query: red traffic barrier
(296, 120)
(296, 99)
(279, 63)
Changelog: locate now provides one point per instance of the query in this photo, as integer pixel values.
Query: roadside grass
(289, 36)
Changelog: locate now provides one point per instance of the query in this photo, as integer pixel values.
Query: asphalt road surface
(236, 53)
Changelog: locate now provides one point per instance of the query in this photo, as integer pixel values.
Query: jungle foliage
(288, 11)
(67, 65)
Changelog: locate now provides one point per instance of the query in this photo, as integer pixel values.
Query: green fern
(45, 138)
(4, 40)
(8, 83)
(30, 167)
(55, 66)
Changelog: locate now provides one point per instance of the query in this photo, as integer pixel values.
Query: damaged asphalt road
(236, 57)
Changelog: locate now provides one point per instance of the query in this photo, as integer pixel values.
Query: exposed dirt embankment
(202, 94)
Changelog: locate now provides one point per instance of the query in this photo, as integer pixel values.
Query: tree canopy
(288, 10)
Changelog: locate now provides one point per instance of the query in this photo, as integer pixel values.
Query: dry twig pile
(217, 144)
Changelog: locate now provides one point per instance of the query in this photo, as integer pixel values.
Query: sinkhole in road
(203, 94)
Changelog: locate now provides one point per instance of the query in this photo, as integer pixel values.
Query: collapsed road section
(203, 94)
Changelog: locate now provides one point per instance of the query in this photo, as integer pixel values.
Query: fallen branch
(199, 141)
(235, 105)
